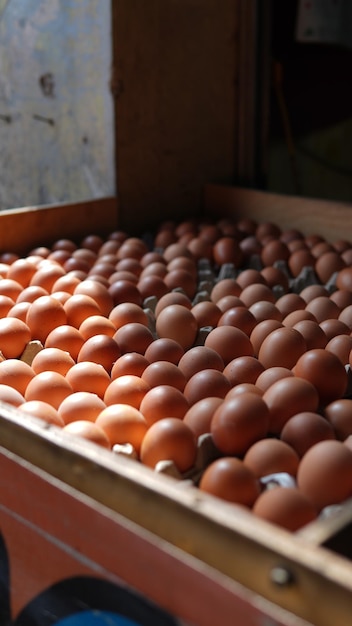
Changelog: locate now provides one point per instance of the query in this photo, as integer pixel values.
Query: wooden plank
(24, 228)
(319, 588)
(330, 219)
(49, 518)
(175, 77)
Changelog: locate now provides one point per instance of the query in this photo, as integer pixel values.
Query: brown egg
(299, 259)
(155, 268)
(333, 327)
(285, 507)
(250, 246)
(89, 431)
(52, 359)
(239, 317)
(177, 322)
(129, 264)
(256, 292)
(342, 297)
(123, 290)
(67, 338)
(132, 247)
(19, 310)
(264, 310)
(181, 279)
(164, 373)
(325, 371)
(228, 478)
(289, 396)
(169, 439)
(10, 395)
(29, 294)
(325, 473)
(271, 375)
(88, 376)
(323, 308)
(21, 270)
(298, 316)
(274, 276)
(339, 415)
(207, 382)
(271, 456)
(346, 316)
(77, 308)
(199, 415)
(341, 346)
(274, 250)
(262, 330)
(282, 347)
(305, 429)
(175, 250)
(127, 312)
(227, 250)
(249, 276)
(123, 424)
(96, 325)
(206, 313)
(46, 275)
(201, 248)
(290, 302)
(313, 291)
(313, 334)
(150, 286)
(133, 337)
(200, 358)
(228, 302)
(50, 387)
(130, 363)
(81, 405)
(229, 342)
(243, 369)
(225, 287)
(164, 349)
(174, 297)
(267, 229)
(328, 264)
(344, 279)
(14, 336)
(15, 373)
(128, 389)
(163, 401)
(101, 349)
(239, 422)
(184, 263)
(321, 248)
(42, 410)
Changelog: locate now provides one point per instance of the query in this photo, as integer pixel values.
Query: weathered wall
(56, 108)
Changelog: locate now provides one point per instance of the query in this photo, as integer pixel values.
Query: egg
(325, 371)
(53, 359)
(16, 374)
(230, 479)
(164, 373)
(14, 336)
(239, 422)
(97, 325)
(271, 375)
(323, 308)
(243, 369)
(325, 473)
(339, 415)
(227, 250)
(240, 317)
(286, 507)
(164, 349)
(262, 330)
(225, 287)
(305, 429)
(288, 396)
(169, 439)
(229, 342)
(126, 313)
(130, 363)
(177, 322)
(200, 358)
(133, 337)
(10, 395)
(206, 313)
(66, 338)
(101, 349)
(128, 389)
(123, 424)
(290, 302)
(282, 347)
(341, 346)
(89, 431)
(50, 387)
(79, 307)
(206, 382)
(313, 334)
(42, 410)
(88, 376)
(199, 415)
(81, 405)
(257, 292)
(123, 290)
(271, 456)
(163, 401)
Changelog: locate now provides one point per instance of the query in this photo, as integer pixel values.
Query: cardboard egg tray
(84, 530)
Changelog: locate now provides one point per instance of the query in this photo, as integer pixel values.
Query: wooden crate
(95, 536)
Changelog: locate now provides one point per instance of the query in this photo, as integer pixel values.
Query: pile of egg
(216, 351)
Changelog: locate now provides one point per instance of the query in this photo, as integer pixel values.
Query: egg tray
(210, 559)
